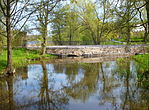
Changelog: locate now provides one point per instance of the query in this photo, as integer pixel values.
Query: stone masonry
(102, 50)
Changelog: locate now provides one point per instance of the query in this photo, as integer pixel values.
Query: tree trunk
(145, 34)
(128, 21)
(94, 38)
(9, 40)
(98, 36)
(128, 33)
(70, 39)
(59, 35)
(147, 10)
(70, 36)
(44, 44)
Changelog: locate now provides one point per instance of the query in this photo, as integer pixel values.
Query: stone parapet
(104, 50)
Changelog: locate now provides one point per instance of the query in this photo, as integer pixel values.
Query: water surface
(109, 85)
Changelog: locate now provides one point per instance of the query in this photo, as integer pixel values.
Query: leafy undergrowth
(22, 57)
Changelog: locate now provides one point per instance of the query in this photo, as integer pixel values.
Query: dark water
(110, 85)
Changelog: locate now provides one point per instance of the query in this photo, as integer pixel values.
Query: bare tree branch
(2, 8)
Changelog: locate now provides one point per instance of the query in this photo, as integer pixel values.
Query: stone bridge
(96, 50)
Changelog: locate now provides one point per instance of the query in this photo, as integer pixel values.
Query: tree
(95, 18)
(58, 23)
(143, 7)
(125, 15)
(146, 27)
(43, 17)
(65, 24)
(137, 9)
(14, 17)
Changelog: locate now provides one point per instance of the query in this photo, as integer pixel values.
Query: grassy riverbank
(21, 57)
(143, 62)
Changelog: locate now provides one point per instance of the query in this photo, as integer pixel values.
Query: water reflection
(112, 85)
(6, 94)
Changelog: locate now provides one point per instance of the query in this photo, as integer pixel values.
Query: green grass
(21, 57)
(142, 61)
(111, 43)
(133, 41)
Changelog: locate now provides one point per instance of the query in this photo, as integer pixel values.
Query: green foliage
(138, 35)
(21, 57)
(1, 45)
(80, 21)
(65, 24)
(87, 20)
(19, 38)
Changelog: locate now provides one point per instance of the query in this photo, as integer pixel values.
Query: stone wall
(105, 50)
